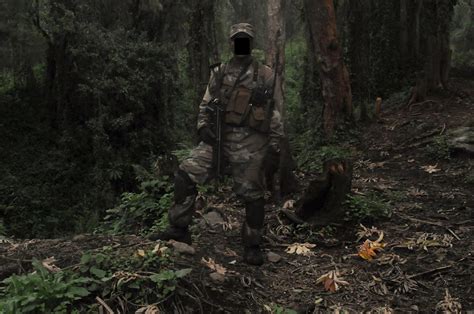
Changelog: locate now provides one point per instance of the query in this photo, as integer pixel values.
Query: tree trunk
(199, 47)
(275, 48)
(322, 202)
(404, 31)
(333, 72)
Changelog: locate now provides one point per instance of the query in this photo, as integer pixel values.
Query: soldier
(251, 129)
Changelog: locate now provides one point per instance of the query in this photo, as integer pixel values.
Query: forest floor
(427, 263)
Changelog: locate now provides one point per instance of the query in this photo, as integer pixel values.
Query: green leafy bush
(439, 148)
(141, 212)
(42, 291)
(367, 207)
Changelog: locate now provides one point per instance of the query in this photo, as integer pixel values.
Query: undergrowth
(125, 281)
(368, 207)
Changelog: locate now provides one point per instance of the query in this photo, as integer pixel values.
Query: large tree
(334, 76)
(275, 57)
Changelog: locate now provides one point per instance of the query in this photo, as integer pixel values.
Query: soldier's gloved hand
(206, 135)
(272, 158)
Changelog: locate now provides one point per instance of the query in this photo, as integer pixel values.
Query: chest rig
(236, 94)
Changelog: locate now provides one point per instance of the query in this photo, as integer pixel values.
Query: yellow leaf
(141, 253)
(300, 249)
(368, 250)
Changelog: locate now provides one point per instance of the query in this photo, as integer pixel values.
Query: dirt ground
(427, 262)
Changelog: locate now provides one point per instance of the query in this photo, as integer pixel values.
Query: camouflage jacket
(229, 74)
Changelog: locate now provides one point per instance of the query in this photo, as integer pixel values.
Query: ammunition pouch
(249, 107)
(238, 106)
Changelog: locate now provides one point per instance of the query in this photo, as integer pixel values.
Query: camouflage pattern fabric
(244, 149)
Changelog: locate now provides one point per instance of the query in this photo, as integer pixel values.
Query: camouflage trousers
(244, 150)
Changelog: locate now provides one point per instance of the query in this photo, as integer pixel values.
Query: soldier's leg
(194, 169)
(248, 179)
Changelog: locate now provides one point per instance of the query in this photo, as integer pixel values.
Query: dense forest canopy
(97, 91)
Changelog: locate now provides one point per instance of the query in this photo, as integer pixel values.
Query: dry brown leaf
(431, 168)
(449, 304)
(368, 250)
(300, 249)
(149, 309)
(365, 232)
(374, 165)
(332, 281)
(416, 192)
(160, 249)
(211, 264)
(48, 263)
(426, 240)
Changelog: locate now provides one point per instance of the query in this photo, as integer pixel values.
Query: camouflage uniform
(244, 148)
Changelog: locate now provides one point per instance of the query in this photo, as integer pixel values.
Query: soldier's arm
(276, 124)
(203, 117)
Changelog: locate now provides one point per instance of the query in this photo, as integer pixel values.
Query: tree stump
(322, 201)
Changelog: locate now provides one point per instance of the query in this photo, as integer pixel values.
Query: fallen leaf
(300, 249)
(426, 240)
(431, 168)
(332, 281)
(160, 249)
(140, 253)
(149, 309)
(365, 232)
(368, 250)
(416, 192)
(49, 264)
(211, 264)
(374, 165)
(449, 304)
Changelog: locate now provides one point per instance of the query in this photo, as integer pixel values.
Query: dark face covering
(242, 46)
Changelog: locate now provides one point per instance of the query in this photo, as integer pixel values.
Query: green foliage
(462, 35)
(311, 152)
(439, 148)
(367, 207)
(278, 309)
(3, 230)
(143, 211)
(42, 291)
(295, 58)
(143, 276)
(140, 276)
(6, 82)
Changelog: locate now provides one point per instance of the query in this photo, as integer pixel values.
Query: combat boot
(252, 230)
(181, 213)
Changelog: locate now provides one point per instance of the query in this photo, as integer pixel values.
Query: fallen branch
(429, 272)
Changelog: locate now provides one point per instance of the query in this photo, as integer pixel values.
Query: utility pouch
(238, 106)
(256, 117)
(260, 117)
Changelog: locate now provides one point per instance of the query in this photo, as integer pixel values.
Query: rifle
(216, 113)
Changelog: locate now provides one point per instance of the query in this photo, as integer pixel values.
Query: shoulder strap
(255, 71)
